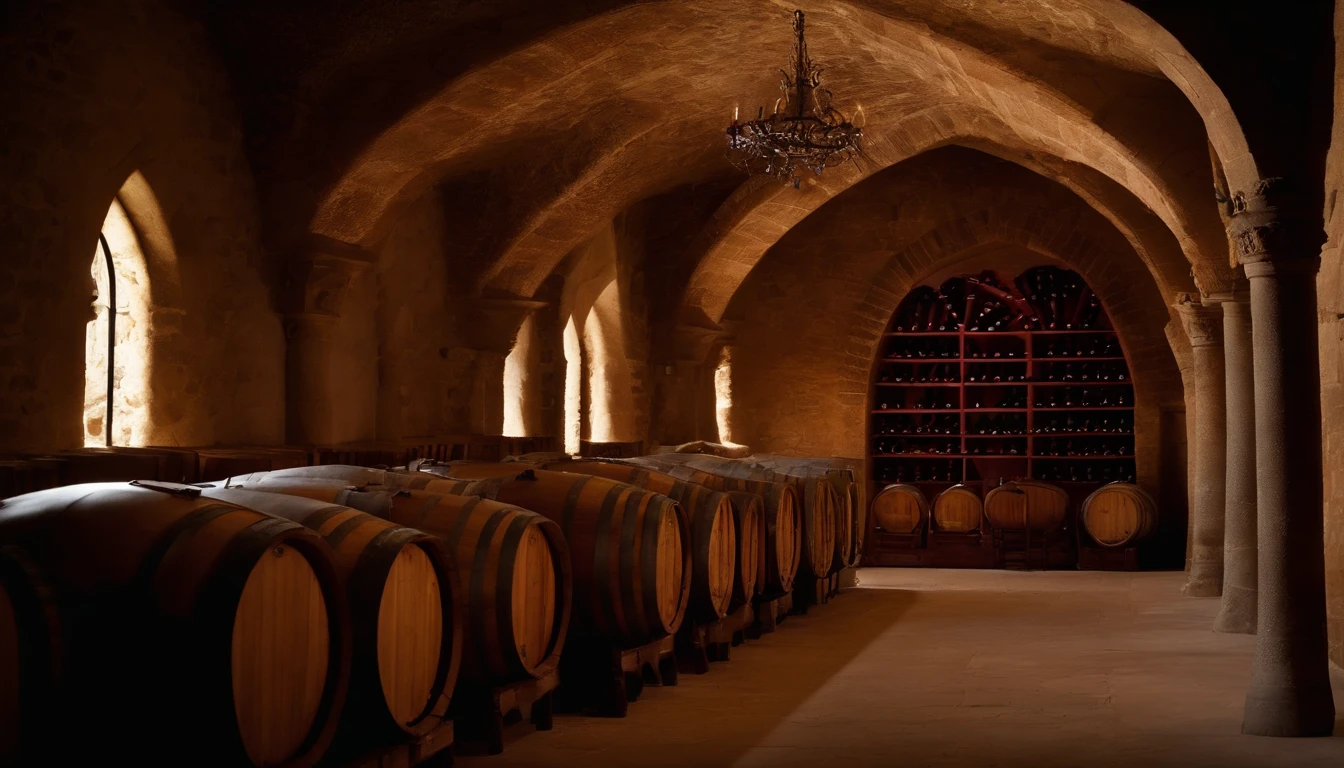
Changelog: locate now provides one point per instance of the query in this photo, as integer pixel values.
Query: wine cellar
(985, 381)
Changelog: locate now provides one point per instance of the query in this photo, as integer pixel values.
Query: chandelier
(804, 133)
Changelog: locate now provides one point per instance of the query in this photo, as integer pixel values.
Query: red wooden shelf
(967, 467)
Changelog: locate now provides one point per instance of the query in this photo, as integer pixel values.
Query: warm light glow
(723, 397)
(516, 389)
(610, 390)
(130, 423)
(573, 387)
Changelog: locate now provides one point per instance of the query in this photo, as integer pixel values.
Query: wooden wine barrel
(232, 620)
(405, 606)
(1027, 504)
(749, 519)
(859, 527)
(820, 501)
(1119, 514)
(31, 659)
(900, 508)
(958, 510)
(783, 522)
(513, 568)
(630, 550)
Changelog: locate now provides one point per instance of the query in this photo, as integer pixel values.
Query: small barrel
(958, 510)
(405, 605)
(233, 619)
(30, 661)
(513, 568)
(1119, 514)
(630, 550)
(1027, 505)
(900, 508)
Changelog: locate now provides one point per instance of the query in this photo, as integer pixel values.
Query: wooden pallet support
(430, 750)
(609, 679)
(482, 712)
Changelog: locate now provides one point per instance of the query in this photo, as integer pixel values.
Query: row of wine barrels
(714, 541)
(710, 511)
(1027, 505)
(783, 520)
(232, 621)
(820, 502)
(840, 472)
(513, 567)
(405, 608)
(630, 549)
(1119, 514)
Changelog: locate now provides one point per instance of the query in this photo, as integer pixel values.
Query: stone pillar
(1277, 242)
(1239, 546)
(313, 384)
(1203, 326)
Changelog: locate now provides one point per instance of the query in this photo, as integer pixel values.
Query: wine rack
(986, 379)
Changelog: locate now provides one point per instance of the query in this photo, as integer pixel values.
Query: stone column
(1239, 546)
(1278, 243)
(1203, 325)
(315, 393)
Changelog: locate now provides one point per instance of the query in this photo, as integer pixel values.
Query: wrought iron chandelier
(804, 133)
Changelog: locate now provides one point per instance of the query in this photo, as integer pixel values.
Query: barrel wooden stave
(749, 518)
(1119, 515)
(1023, 504)
(900, 508)
(405, 603)
(232, 619)
(958, 510)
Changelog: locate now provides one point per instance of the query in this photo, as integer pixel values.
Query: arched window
(611, 410)
(723, 396)
(127, 356)
(573, 388)
(520, 402)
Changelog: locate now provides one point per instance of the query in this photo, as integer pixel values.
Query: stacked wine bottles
(985, 378)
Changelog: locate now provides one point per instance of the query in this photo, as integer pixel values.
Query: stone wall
(1330, 303)
(96, 91)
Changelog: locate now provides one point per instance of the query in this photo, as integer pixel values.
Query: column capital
(494, 322)
(318, 282)
(1203, 323)
(1269, 223)
(692, 343)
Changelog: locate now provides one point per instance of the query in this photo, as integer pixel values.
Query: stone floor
(956, 668)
